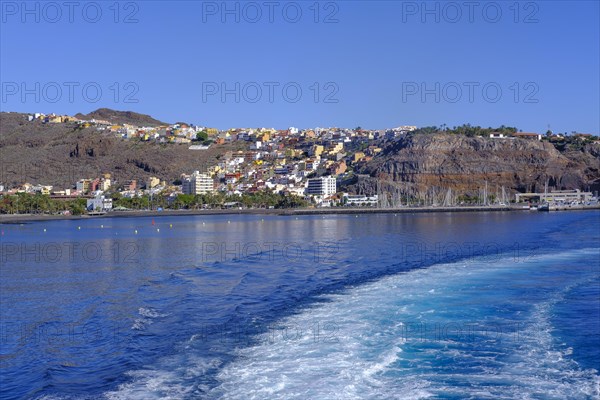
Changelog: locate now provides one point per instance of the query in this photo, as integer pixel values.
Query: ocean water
(407, 306)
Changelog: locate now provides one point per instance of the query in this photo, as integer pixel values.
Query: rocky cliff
(418, 163)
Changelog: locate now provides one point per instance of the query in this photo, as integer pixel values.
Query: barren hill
(60, 154)
(121, 117)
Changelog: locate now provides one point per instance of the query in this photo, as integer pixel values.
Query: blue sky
(354, 63)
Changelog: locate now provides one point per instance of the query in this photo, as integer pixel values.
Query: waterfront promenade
(20, 218)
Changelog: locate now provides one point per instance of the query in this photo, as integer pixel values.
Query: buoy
(228, 222)
(152, 221)
(136, 231)
(44, 229)
(79, 228)
(102, 226)
(170, 225)
(157, 229)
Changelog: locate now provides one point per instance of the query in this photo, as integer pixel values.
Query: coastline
(23, 218)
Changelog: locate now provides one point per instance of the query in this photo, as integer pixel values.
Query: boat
(544, 207)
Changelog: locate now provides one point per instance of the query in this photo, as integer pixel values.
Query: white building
(556, 196)
(325, 186)
(361, 200)
(99, 203)
(198, 183)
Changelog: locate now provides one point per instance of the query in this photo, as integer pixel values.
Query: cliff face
(418, 163)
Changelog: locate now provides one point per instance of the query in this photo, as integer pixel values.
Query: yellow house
(359, 155)
(317, 150)
(152, 182)
(337, 148)
(263, 137)
(105, 183)
(213, 170)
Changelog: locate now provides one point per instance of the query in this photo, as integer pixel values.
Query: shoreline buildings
(324, 186)
(198, 183)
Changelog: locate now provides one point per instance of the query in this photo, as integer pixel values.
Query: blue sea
(410, 306)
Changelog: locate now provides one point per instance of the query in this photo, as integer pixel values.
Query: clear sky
(373, 64)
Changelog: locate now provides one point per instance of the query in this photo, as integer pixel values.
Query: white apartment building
(100, 203)
(325, 186)
(198, 183)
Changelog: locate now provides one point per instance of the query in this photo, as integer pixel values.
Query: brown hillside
(59, 154)
(121, 117)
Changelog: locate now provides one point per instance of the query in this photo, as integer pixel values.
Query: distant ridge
(121, 117)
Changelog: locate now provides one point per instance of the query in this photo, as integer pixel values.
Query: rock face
(418, 163)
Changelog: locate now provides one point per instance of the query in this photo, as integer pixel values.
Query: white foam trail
(366, 359)
(150, 313)
(166, 383)
(354, 346)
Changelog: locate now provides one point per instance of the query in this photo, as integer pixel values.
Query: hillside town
(301, 164)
